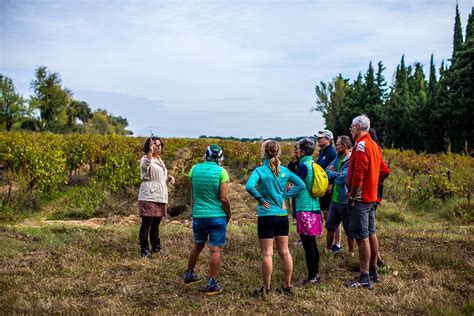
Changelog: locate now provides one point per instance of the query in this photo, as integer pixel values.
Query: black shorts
(272, 226)
(324, 201)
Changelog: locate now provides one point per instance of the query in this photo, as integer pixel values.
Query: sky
(227, 68)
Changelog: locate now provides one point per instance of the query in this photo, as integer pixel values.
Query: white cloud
(264, 56)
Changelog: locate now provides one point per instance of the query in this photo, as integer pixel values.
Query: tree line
(431, 114)
(52, 108)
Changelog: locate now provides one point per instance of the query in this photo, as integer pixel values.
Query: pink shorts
(309, 223)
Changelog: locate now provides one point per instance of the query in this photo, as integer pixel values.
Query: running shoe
(262, 292)
(214, 289)
(356, 283)
(311, 281)
(285, 290)
(191, 277)
(335, 249)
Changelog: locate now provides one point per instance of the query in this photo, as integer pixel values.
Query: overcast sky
(229, 68)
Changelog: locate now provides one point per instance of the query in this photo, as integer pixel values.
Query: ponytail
(275, 166)
(271, 151)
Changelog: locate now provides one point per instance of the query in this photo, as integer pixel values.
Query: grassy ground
(56, 267)
(77, 252)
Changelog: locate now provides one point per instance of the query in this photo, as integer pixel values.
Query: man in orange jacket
(362, 184)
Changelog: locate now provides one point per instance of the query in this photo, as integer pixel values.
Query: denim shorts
(361, 220)
(214, 228)
(338, 213)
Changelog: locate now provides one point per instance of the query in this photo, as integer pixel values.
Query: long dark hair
(146, 145)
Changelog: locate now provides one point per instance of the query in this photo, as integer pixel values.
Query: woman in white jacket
(153, 195)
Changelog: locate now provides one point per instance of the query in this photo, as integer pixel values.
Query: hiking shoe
(374, 274)
(375, 277)
(380, 263)
(260, 293)
(356, 283)
(145, 253)
(335, 249)
(191, 277)
(156, 250)
(285, 290)
(311, 281)
(214, 289)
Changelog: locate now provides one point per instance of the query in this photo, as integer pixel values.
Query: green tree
(395, 112)
(461, 96)
(51, 99)
(418, 108)
(329, 98)
(457, 38)
(373, 101)
(12, 105)
(381, 83)
(104, 123)
(431, 132)
(77, 110)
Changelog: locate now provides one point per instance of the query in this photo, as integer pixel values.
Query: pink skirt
(309, 223)
(152, 209)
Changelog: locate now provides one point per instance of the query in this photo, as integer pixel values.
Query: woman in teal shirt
(267, 184)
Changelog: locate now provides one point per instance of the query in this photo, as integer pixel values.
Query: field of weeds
(83, 268)
(75, 249)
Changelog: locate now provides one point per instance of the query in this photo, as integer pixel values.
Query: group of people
(355, 175)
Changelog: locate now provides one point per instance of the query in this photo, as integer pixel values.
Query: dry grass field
(93, 266)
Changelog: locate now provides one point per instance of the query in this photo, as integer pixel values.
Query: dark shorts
(338, 213)
(325, 201)
(214, 228)
(361, 220)
(272, 226)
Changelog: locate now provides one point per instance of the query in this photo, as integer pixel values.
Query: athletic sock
(364, 277)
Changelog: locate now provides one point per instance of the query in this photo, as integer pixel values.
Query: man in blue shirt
(327, 154)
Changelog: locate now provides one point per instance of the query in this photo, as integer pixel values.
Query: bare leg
(374, 249)
(194, 255)
(364, 254)
(284, 252)
(266, 248)
(329, 238)
(337, 236)
(350, 244)
(215, 261)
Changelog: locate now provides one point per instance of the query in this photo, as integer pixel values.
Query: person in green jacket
(308, 214)
(211, 214)
(267, 184)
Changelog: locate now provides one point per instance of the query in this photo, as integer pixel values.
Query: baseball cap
(324, 133)
(214, 151)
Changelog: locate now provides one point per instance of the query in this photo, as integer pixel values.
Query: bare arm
(192, 197)
(224, 197)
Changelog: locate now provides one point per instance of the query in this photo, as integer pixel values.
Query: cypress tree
(396, 113)
(470, 25)
(432, 81)
(381, 83)
(430, 130)
(461, 97)
(417, 110)
(372, 107)
(457, 38)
